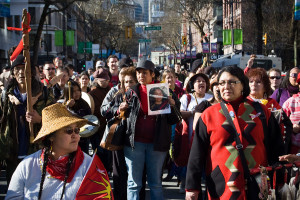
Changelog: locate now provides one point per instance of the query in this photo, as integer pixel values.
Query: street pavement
(171, 191)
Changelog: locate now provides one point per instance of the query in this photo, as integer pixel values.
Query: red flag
(20, 45)
(95, 184)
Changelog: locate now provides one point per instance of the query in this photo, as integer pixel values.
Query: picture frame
(158, 102)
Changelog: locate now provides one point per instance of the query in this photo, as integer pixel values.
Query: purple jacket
(283, 97)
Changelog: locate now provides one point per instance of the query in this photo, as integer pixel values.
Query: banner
(70, 38)
(178, 56)
(58, 38)
(226, 37)
(194, 54)
(205, 47)
(170, 57)
(188, 54)
(297, 9)
(238, 36)
(182, 56)
(214, 48)
(95, 184)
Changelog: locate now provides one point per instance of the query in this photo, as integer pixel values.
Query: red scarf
(57, 168)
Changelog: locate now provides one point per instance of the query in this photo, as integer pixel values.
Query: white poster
(95, 48)
(158, 102)
(89, 64)
(16, 7)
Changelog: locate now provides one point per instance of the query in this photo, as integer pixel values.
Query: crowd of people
(228, 116)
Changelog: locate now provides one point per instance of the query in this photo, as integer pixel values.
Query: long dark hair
(47, 152)
(66, 90)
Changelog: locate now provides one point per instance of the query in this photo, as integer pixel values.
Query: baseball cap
(100, 63)
(125, 62)
(196, 64)
(145, 64)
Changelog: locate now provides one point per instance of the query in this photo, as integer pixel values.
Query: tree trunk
(38, 35)
(259, 25)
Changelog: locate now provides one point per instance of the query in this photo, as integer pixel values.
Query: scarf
(292, 89)
(58, 168)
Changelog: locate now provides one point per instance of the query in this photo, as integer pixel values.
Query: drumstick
(69, 84)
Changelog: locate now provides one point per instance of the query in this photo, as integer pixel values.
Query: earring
(242, 92)
(51, 146)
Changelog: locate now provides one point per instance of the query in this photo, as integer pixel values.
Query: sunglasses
(275, 77)
(294, 75)
(50, 69)
(69, 131)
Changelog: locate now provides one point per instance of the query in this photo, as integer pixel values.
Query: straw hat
(55, 117)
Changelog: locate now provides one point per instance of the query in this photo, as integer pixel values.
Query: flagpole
(26, 54)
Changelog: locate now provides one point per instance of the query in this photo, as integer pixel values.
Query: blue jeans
(135, 160)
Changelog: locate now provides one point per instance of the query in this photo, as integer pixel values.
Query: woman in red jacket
(214, 147)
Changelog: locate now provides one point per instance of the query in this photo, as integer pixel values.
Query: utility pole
(64, 32)
(191, 44)
(232, 30)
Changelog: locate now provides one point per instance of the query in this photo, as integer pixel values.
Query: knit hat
(56, 117)
(145, 64)
(102, 74)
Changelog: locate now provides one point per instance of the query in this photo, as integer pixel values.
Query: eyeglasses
(230, 82)
(200, 81)
(69, 131)
(275, 77)
(258, 82)
(294, 75)
(50, 69)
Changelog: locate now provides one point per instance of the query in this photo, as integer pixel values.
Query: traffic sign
(144, 40)
(153, 28)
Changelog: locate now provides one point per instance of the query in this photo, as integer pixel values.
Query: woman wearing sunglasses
(57, 170)
(275, 78)
(288, 87)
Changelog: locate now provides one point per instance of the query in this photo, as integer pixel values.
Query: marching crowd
(223, 124)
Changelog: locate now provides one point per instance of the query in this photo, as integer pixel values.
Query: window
(18, 24)
(2, 22)
(10, 21)
(48, 42)
(31, 10)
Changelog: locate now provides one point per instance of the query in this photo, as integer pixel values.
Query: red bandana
(57, 168)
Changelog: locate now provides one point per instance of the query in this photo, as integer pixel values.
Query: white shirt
(191, 107)
(25, 182)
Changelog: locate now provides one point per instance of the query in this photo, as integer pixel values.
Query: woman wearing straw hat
(57, 170)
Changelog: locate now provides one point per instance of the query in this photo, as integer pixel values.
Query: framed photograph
(158, 102)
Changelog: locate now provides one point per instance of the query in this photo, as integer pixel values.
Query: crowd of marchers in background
(197, 99)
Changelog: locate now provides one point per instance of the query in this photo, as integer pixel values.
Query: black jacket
(162, 136)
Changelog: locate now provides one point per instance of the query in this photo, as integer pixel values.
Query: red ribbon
(26, 29)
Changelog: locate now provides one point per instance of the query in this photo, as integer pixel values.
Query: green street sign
(153, 28)
(144, 40)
